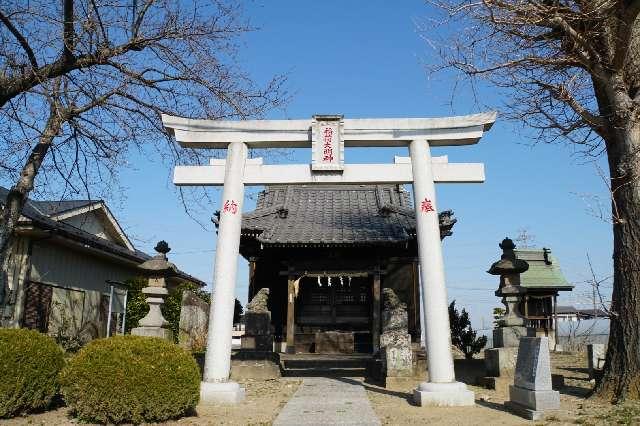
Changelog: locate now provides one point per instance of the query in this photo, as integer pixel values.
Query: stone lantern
(500, 361)
(511, 326)
(157, 269)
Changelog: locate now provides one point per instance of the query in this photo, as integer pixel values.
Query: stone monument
(157, 269)
(532, 394)
(257, 324)
(395, 341)
(500, 361)
(194, 319)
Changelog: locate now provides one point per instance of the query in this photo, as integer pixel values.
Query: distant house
(66, 257)
(571, 313)
(542, 281)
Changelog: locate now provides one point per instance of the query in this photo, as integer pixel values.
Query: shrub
(29, 366)
(130, 379)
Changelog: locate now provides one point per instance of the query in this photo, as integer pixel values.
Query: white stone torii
(420, 169)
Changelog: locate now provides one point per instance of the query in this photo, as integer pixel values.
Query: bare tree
(571, 70)
(83, 83)
(525, 239)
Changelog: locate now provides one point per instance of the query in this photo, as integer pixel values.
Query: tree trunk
(621, 375)
(19, 193)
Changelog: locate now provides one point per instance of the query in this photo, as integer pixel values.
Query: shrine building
(325, 252)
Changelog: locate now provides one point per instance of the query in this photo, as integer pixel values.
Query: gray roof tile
(335, 214)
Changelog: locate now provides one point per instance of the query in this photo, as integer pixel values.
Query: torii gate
(327, 135)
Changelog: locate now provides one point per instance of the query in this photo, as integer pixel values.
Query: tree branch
(592, 59)
(11, 88)
(561, 94)
(23, 41)
(68, 32)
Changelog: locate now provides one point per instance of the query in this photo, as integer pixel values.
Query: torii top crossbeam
(447, 131)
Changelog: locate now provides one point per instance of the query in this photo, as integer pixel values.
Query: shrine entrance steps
(326, 365)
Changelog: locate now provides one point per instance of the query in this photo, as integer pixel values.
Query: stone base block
(523, 411)
(469, 371)
(419, 362)
(396, 382)
(499, 384)
(257, 342)
(163, 333)
(508, 337)
(257, 323)
(396, 361)
(500, 362)
(221, 393)
(257, 369)
(535, 400)
(452, 394)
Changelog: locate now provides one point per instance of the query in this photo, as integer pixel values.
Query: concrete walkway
(328, 401)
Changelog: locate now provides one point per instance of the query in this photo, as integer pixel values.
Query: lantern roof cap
(159, 264)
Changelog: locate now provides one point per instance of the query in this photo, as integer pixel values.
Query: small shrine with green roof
(542, 283)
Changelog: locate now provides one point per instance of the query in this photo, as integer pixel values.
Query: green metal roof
(544, 270)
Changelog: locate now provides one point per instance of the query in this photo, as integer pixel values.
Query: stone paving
(328, 401)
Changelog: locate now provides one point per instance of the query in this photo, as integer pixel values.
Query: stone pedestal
(500, 364)
(257, 332)
(163, 333)
(255, 365)
(508, 337)
(213, 393)
(532, 393)
(397, 361)
(154, 324)
(500, 361)
(443, 394)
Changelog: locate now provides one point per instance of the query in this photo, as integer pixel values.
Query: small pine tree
(237, 312)
(463, 336)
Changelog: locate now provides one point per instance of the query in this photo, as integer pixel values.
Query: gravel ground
(393, 406)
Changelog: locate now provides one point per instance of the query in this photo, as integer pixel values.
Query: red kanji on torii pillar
(327, 135)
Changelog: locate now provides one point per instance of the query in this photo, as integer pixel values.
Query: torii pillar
(442, 387)
(327, 136)
(216, 386)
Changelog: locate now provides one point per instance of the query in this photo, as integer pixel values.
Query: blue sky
(366, 59)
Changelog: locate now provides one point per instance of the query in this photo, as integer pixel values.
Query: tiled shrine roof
(335, 215)
(544, 270)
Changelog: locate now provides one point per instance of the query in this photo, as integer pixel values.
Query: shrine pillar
(216, 387)
(442, 388)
